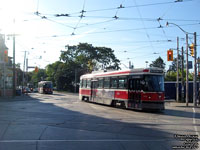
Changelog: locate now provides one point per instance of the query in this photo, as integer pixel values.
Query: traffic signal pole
(194, 54)
(182, 75)
(187, 85)
(177, 70)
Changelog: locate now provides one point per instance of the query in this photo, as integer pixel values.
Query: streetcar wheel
(113, 104)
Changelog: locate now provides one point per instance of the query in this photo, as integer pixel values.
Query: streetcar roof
(124, 72)
(45, 82)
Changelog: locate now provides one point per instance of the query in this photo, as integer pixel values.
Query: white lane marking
(195, 127)
(111, 140)
(194, 122)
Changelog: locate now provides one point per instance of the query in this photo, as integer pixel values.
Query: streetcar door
(93, 90)
(134, 93)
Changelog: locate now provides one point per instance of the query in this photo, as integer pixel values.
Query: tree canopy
(89, 57)
(75, 61)
(158, 63)
(173, 66)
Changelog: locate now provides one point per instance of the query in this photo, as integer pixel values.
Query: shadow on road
(43, 125)
(180, 113)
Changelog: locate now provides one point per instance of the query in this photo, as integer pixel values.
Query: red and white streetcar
(133, 88)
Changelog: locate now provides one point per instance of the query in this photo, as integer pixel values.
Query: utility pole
(198, 59)
(195, 66)
(182, 75)
(23, 71)
(177, 78)
(187, 86)
(195, 72)
(26, 70)
(4, 77)
(75, 80)
(14, 69)
(4, 68)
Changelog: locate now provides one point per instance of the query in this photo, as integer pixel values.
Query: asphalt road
(63, 122)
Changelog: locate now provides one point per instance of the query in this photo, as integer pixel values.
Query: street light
(195, 66)
(167, 24)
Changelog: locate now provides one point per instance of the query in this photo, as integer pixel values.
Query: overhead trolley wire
(122, 30)
(161, 27)
(116, 8)
(81, 16)
(146, 31)
(132, 6)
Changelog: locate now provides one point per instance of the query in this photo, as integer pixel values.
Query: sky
(135, 29)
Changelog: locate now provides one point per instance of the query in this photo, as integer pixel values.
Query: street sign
(189, 64)
(31, 67)
(198, 60)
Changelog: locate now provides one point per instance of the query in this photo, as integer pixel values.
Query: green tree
(52, 70)
(158, 63)
(172, 75)
(89, 57)
(77, 60)
(19, 74)
(173, 66)
(38, 76)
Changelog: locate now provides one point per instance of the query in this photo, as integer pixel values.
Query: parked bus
(133, 88)
(45, 87)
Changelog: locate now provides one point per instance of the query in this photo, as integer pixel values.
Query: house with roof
(6, 73)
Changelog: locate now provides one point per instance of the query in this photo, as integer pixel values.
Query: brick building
(6, 73)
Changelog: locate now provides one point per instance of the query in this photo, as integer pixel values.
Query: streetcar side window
(138, 85)
(134, 84)
(114, 82)
(84, 83)
(100, 83)
(81, 83)
(88, 83)
(106, 82)
(122, 83)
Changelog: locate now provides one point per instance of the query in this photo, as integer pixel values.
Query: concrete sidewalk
(16, 98)
(173, 103)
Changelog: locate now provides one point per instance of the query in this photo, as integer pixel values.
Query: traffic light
(192, 49)
(170, 55)
(36, 69)
(6, 56)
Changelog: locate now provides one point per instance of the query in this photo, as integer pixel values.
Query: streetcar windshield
(153, 83)
(48, 85)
